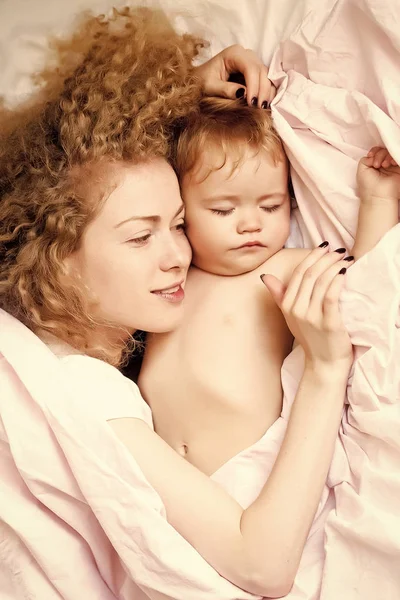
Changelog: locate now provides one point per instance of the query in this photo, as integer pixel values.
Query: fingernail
(254, 101)
(340, 250)
(240, 93)
(265, 104)
(323, 245)
(342, 271)
(262, 277)
(349, 258)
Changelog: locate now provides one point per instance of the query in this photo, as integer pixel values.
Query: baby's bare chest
(214, 386)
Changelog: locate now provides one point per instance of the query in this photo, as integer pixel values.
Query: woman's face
(134, 255)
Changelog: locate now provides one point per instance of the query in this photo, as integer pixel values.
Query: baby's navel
(183, 450)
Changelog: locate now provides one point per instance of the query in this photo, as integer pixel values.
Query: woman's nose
(176, 254)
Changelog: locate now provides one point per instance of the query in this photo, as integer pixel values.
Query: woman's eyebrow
(153, 218)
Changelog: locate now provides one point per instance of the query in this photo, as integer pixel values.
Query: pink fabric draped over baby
(77, 517)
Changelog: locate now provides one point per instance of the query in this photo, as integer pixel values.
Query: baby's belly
(211, 450)
(208, 430)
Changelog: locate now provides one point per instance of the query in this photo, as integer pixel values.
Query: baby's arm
(378, 178)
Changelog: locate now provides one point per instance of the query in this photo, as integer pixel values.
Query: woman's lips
(172, 294)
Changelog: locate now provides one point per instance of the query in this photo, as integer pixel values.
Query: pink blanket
(338, 76)
(66, 482)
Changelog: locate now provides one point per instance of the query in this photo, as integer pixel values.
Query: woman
(93, 249)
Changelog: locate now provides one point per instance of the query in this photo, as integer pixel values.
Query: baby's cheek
(198, 234)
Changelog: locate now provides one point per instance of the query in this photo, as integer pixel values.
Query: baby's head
(234, 182)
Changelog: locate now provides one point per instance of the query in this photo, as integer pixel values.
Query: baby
(207, 383)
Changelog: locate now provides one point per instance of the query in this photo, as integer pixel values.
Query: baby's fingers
(379, 157)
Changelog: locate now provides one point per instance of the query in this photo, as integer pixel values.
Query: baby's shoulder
(283, 263)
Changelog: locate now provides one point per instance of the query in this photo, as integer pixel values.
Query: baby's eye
(140, 241)
(270, 209)
(222, 212)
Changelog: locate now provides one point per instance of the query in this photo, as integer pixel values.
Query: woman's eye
(140, 241)
(180, 227)
(222, 212)
(270, 209)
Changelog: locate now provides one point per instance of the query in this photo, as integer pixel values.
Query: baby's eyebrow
(272, 195)
(235, 198)
(228, 197)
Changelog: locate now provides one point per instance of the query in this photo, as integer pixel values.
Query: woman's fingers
(259, 88)
(299, 271)
(240, 60)
(266, 90)
(308, 290)
(245, 68)
(323, 269)
(237, 73)
(308, 270)
(320, 294)
(332, 319)
(275, 287)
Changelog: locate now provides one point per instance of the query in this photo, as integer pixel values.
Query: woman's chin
(164, 321)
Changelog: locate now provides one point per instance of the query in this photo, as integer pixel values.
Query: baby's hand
(378, 177)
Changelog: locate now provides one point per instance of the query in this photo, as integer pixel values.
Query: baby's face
(236, 220)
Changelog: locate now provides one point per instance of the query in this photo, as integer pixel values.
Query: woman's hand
(378, 177)
(236, 59)
(310, 305)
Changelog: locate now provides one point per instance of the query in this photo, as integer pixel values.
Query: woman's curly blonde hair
(114, 92)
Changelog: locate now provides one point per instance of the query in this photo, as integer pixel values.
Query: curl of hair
(112, 93)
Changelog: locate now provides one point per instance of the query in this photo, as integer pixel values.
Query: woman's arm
(378, 178)
(259, 549)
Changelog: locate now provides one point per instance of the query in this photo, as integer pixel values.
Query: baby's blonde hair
(230, 125)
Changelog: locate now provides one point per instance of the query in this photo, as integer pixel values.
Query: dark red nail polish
(265, 104)
(262, 277)
(240, 93)
(349, 258)
(342, 271)
(254, 101)
(323, 245)
(340, 250)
